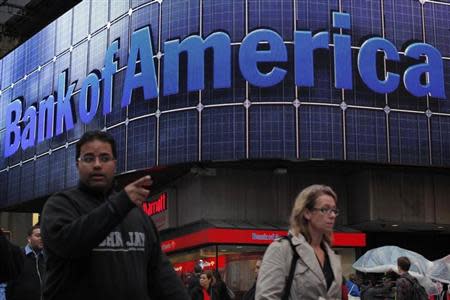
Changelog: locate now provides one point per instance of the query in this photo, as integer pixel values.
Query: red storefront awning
(249, 237)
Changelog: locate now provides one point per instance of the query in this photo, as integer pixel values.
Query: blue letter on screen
(64, 113)
(46, 118)
(305, 44)
(29, 132)
(141, 44)
(91, 82)
(250, 56)
(342, 52)
(367, 65)
(108, 71)
(195, 48)
(433, 67)
(12, 136)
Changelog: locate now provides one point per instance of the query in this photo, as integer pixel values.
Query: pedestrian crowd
(97, 243)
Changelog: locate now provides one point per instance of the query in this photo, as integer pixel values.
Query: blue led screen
(242, 122)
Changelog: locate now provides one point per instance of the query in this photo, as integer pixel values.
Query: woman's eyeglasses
(327, 211)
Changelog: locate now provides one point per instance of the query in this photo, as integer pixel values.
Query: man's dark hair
(403, 263)
(198, 268)
(32, 228)
(98, 135)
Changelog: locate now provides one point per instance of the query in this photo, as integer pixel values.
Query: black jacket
(197, 293)
(103, 247)
(11, 259)
(222, 290)
(193, 282)
(250, 294)
(27, 286)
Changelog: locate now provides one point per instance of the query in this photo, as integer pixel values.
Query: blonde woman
(317, 271)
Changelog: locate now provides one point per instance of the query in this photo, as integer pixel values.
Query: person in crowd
(318, 272)
(352, 285)
(206, 290)
(368, 283)
(2, 291)
(250, 294)
(11, 262)
(445, 294)
(28, 284)
(194, 280)
(404, 283)
(98, 241)
(222, 289)
(344, 290)
(382, 289)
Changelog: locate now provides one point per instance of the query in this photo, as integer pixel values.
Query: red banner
(249, 237)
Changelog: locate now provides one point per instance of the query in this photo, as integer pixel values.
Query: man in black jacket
(11, 259)
(99, 243)
(194, 281)
(406, 284)
(27, 286)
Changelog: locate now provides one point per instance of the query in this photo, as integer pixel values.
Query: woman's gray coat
(309, 282)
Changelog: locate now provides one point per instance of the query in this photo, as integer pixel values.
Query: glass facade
(235, 263)
(242, 122)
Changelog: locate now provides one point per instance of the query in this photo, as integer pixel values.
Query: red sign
(345, 239)
(249, 237)
(209, 263)
(155, 207)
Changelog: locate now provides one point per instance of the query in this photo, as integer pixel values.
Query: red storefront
(234, 251)
(226, 217)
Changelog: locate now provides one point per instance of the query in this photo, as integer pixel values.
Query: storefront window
(235, 263)
(239, 271)
(185, 261)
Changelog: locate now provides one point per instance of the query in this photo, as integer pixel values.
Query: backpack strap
(290, 278)
(353, 285)
(419, 291)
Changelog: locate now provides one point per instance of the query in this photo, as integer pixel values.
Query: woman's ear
(307, 214)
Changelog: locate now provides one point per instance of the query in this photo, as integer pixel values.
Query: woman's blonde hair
(307, 200)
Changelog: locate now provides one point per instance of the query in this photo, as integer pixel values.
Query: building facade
(235, 106)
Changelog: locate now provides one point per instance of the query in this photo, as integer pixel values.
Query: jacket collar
(307, 255)
(407, 275)
(99, 195)
(335, 266)
(28, 250)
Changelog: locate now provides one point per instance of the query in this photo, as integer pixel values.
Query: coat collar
(335, 266)
(98, 195)
(28, 251)
(307, 255)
